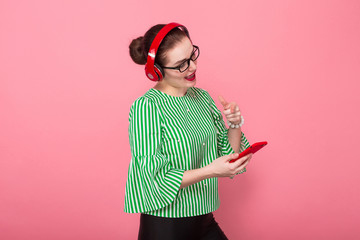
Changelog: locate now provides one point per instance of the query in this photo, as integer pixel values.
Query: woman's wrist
(207, 171)
(193, 176)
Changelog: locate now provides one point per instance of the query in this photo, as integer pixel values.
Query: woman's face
(175, 56)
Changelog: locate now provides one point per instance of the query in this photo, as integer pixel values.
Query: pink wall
(67, 83)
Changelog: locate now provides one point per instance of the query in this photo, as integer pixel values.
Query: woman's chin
(191, 83)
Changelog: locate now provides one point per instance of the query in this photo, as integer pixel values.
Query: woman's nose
(192, 66)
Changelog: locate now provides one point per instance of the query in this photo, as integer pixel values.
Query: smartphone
(252, 149)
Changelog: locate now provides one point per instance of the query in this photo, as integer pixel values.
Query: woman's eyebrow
(180, 61)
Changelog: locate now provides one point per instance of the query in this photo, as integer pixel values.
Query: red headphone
(152, 70)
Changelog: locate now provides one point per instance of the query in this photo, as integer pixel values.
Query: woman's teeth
(190, 77)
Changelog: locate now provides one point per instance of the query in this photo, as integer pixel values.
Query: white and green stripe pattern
(169, 135)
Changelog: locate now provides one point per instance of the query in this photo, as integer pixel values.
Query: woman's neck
(176, 92)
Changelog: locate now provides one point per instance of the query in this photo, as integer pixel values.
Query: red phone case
(252, 149)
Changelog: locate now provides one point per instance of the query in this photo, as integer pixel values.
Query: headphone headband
(152, 70)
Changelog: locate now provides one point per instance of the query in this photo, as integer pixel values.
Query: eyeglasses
(185, 65)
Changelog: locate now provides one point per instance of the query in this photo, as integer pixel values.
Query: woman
(179, 142)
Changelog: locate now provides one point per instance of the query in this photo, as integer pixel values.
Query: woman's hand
(221, 167)
(231, 111)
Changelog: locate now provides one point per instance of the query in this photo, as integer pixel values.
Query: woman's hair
(140, 46)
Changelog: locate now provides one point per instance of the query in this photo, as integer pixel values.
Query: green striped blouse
(169, 135)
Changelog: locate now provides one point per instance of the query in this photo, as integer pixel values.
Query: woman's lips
(191, 77)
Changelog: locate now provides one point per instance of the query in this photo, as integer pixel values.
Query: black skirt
(185, 228)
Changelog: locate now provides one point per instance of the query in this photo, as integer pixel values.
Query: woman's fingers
(232, 115)
(234, 109)
(234, 119)
(244, 163)
(223, 102)
(243, 159)
(229, 107)
(231, 157)
(242, 166)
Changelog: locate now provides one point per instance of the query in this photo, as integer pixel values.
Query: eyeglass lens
(185, 65)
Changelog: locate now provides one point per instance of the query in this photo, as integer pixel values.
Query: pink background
(67, 83)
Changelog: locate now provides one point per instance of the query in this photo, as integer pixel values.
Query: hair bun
(137, 51)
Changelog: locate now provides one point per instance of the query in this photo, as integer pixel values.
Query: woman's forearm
(234, 135)
(195, 175)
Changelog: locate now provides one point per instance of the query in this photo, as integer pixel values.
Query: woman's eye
(193, 55)
(182, 65)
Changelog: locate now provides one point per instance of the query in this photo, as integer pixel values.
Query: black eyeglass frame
(187, 60)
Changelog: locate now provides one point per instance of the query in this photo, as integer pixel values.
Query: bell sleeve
(223, 144)
(152, 182)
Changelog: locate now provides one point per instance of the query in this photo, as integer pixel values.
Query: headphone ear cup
(159, 71)
(150, 73)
